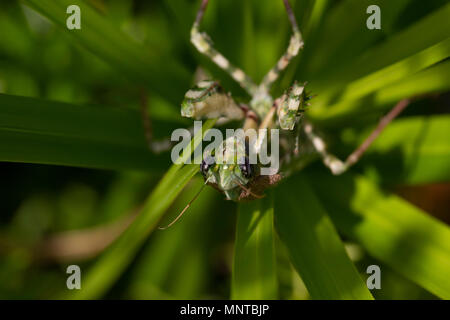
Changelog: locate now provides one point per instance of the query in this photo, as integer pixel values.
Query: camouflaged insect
(228, 167)
(290, 109)
(207, 100)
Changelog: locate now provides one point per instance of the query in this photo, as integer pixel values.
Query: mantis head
(228, 168)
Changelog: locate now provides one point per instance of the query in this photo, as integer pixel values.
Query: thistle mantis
(207, 99)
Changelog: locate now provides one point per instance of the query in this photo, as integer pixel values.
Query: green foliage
(419, 148)
(39, 131)
(102, 38)
(254, 275)
(392, 230)
(116, 258)
(315, 248)
(70, 98)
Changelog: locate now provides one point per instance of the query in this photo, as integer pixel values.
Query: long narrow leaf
(117, 257)
(390, 229)
(414, 150)
(421, 35)
(344, 36)
(110, 44)
(429, 81)
(315, 248)
(40, 131)
(164, 260)
(254, 275)
(382, 78)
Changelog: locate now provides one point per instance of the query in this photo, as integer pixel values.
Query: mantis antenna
(185, 208)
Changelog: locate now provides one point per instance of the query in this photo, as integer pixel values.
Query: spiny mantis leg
(207, 99)
(204, 45)
(337, 166)
(295, 44)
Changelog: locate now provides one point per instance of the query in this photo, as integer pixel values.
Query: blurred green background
(75, 169)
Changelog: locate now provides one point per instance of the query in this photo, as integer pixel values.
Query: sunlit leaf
(392, 230)
(315, 248)
(254, 275)
(116, 258)
(429, 81)
(413, 150)
(422, 45)
(170, 266)
(40, 131)
(109, 43)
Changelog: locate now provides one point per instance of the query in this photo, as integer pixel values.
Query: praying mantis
(239, 179)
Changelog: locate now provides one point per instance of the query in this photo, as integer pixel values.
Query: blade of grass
(404, 237)
(164, 260)
(254, 275)
(416, 38)
(381, 78)
(414, 150)
(343, 36)
(110, 44)
(397, 71)
(431, 80)
(316, 250)
(47, 132)
(248, 40)
(421, 40)
(116, 258)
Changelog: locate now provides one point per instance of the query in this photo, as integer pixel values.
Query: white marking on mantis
(204, 84)
(221, 61)
(294, 46)
(192, 94)
(272, 76)
(239, 75)
(336, 166)
(298, 90)
(318, 144)
(293, 104)
(283, 63)
(199, 41)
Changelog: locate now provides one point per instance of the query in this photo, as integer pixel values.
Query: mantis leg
(207, 99)
(295, 44)
(204, 45)
(154, 146)
(336, 165)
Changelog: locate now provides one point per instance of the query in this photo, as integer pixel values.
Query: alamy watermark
(374, 20)
(374, 280)
(74, 280)
(237, 147)
(74, 20)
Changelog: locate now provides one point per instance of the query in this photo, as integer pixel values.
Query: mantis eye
(206, 164)
(246, 168)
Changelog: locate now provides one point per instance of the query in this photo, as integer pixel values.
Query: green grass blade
(342, 36)
(404, 237)
(166, 258)
(315, 248)
(431, 80)
(254, 274)
(110, 44)
(422, 45)
(117, 257)
(381, 78)
(413, 150)
(47, 132)
(397, 71)
(421, 35)
(434, 79)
